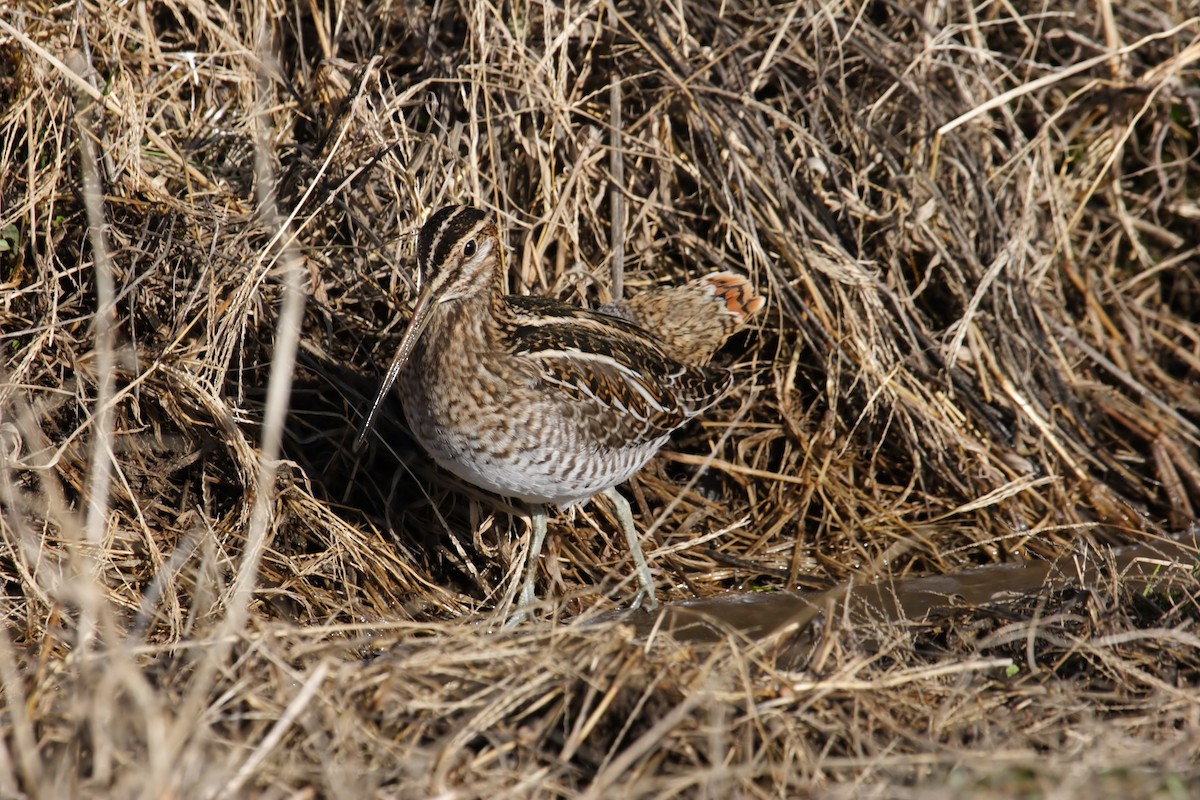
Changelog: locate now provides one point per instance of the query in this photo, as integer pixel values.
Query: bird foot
(517, 617)
(644, 600)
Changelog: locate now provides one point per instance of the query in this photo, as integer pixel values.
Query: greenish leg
(537, 524)
(645, 579)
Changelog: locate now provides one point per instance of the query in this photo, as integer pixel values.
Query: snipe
(546, 402)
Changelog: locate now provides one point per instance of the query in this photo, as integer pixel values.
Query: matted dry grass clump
(977, 227)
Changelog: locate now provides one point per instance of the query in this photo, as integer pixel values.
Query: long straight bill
(422, 313)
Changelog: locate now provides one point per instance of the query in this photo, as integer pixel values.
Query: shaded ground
(976, 227)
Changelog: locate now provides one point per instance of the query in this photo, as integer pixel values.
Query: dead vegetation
(977, 227)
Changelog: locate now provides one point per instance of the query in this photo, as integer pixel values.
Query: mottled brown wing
(591, 357)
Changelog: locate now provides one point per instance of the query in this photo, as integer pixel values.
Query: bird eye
(469, 248)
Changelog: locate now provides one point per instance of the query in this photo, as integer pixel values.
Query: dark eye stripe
(443, 231)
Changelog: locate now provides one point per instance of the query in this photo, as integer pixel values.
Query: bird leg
(537, 523)
(645, 579)
(537, 527)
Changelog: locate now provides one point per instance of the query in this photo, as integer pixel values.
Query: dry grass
(977, 227)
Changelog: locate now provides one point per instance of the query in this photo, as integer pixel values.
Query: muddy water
(797, 615)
